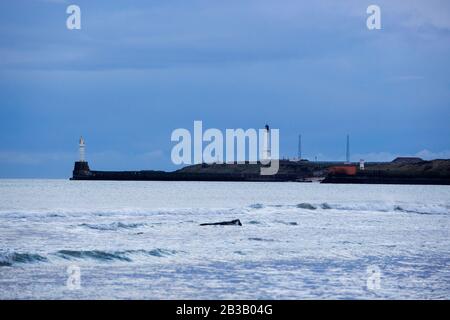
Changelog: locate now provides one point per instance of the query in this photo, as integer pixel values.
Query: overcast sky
(137, 70)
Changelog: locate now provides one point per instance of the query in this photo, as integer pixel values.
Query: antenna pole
(348, 149)
(299, 147)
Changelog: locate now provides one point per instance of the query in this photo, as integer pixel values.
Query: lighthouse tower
(266, 143)
(81, 168)
(82, 150)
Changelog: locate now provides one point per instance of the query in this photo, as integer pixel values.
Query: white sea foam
(296, 240)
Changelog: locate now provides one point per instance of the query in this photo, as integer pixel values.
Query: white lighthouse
(361, 164)
(82, 151)
(266, 143)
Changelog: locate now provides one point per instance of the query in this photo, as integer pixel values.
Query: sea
(62, 239)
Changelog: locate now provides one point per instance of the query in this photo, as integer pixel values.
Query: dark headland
(399, 171)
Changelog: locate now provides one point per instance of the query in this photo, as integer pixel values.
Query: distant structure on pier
(361, 164)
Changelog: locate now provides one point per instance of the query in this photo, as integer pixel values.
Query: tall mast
(348, 149)
(299, 147)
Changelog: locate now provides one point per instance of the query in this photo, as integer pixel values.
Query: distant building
(349, 170)
(407, 160)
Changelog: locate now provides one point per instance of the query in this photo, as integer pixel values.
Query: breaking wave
(429, 211)
(99, 255)
(160, 252)
(11, 258)
(8, 259)
(92, 254)
(325, 206)
(386, 207)
(288, 223)
(260, 239)
(416, 208)
(112, 226)
(306, 205)
(256, 206)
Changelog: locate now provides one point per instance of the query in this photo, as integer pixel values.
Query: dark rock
(236, 222)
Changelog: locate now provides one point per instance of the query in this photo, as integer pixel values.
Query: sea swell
(414, 208)
(125, 255)
(8, 259)
(112, 226)
(93, 254)
(392, 207)
(305, 206)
